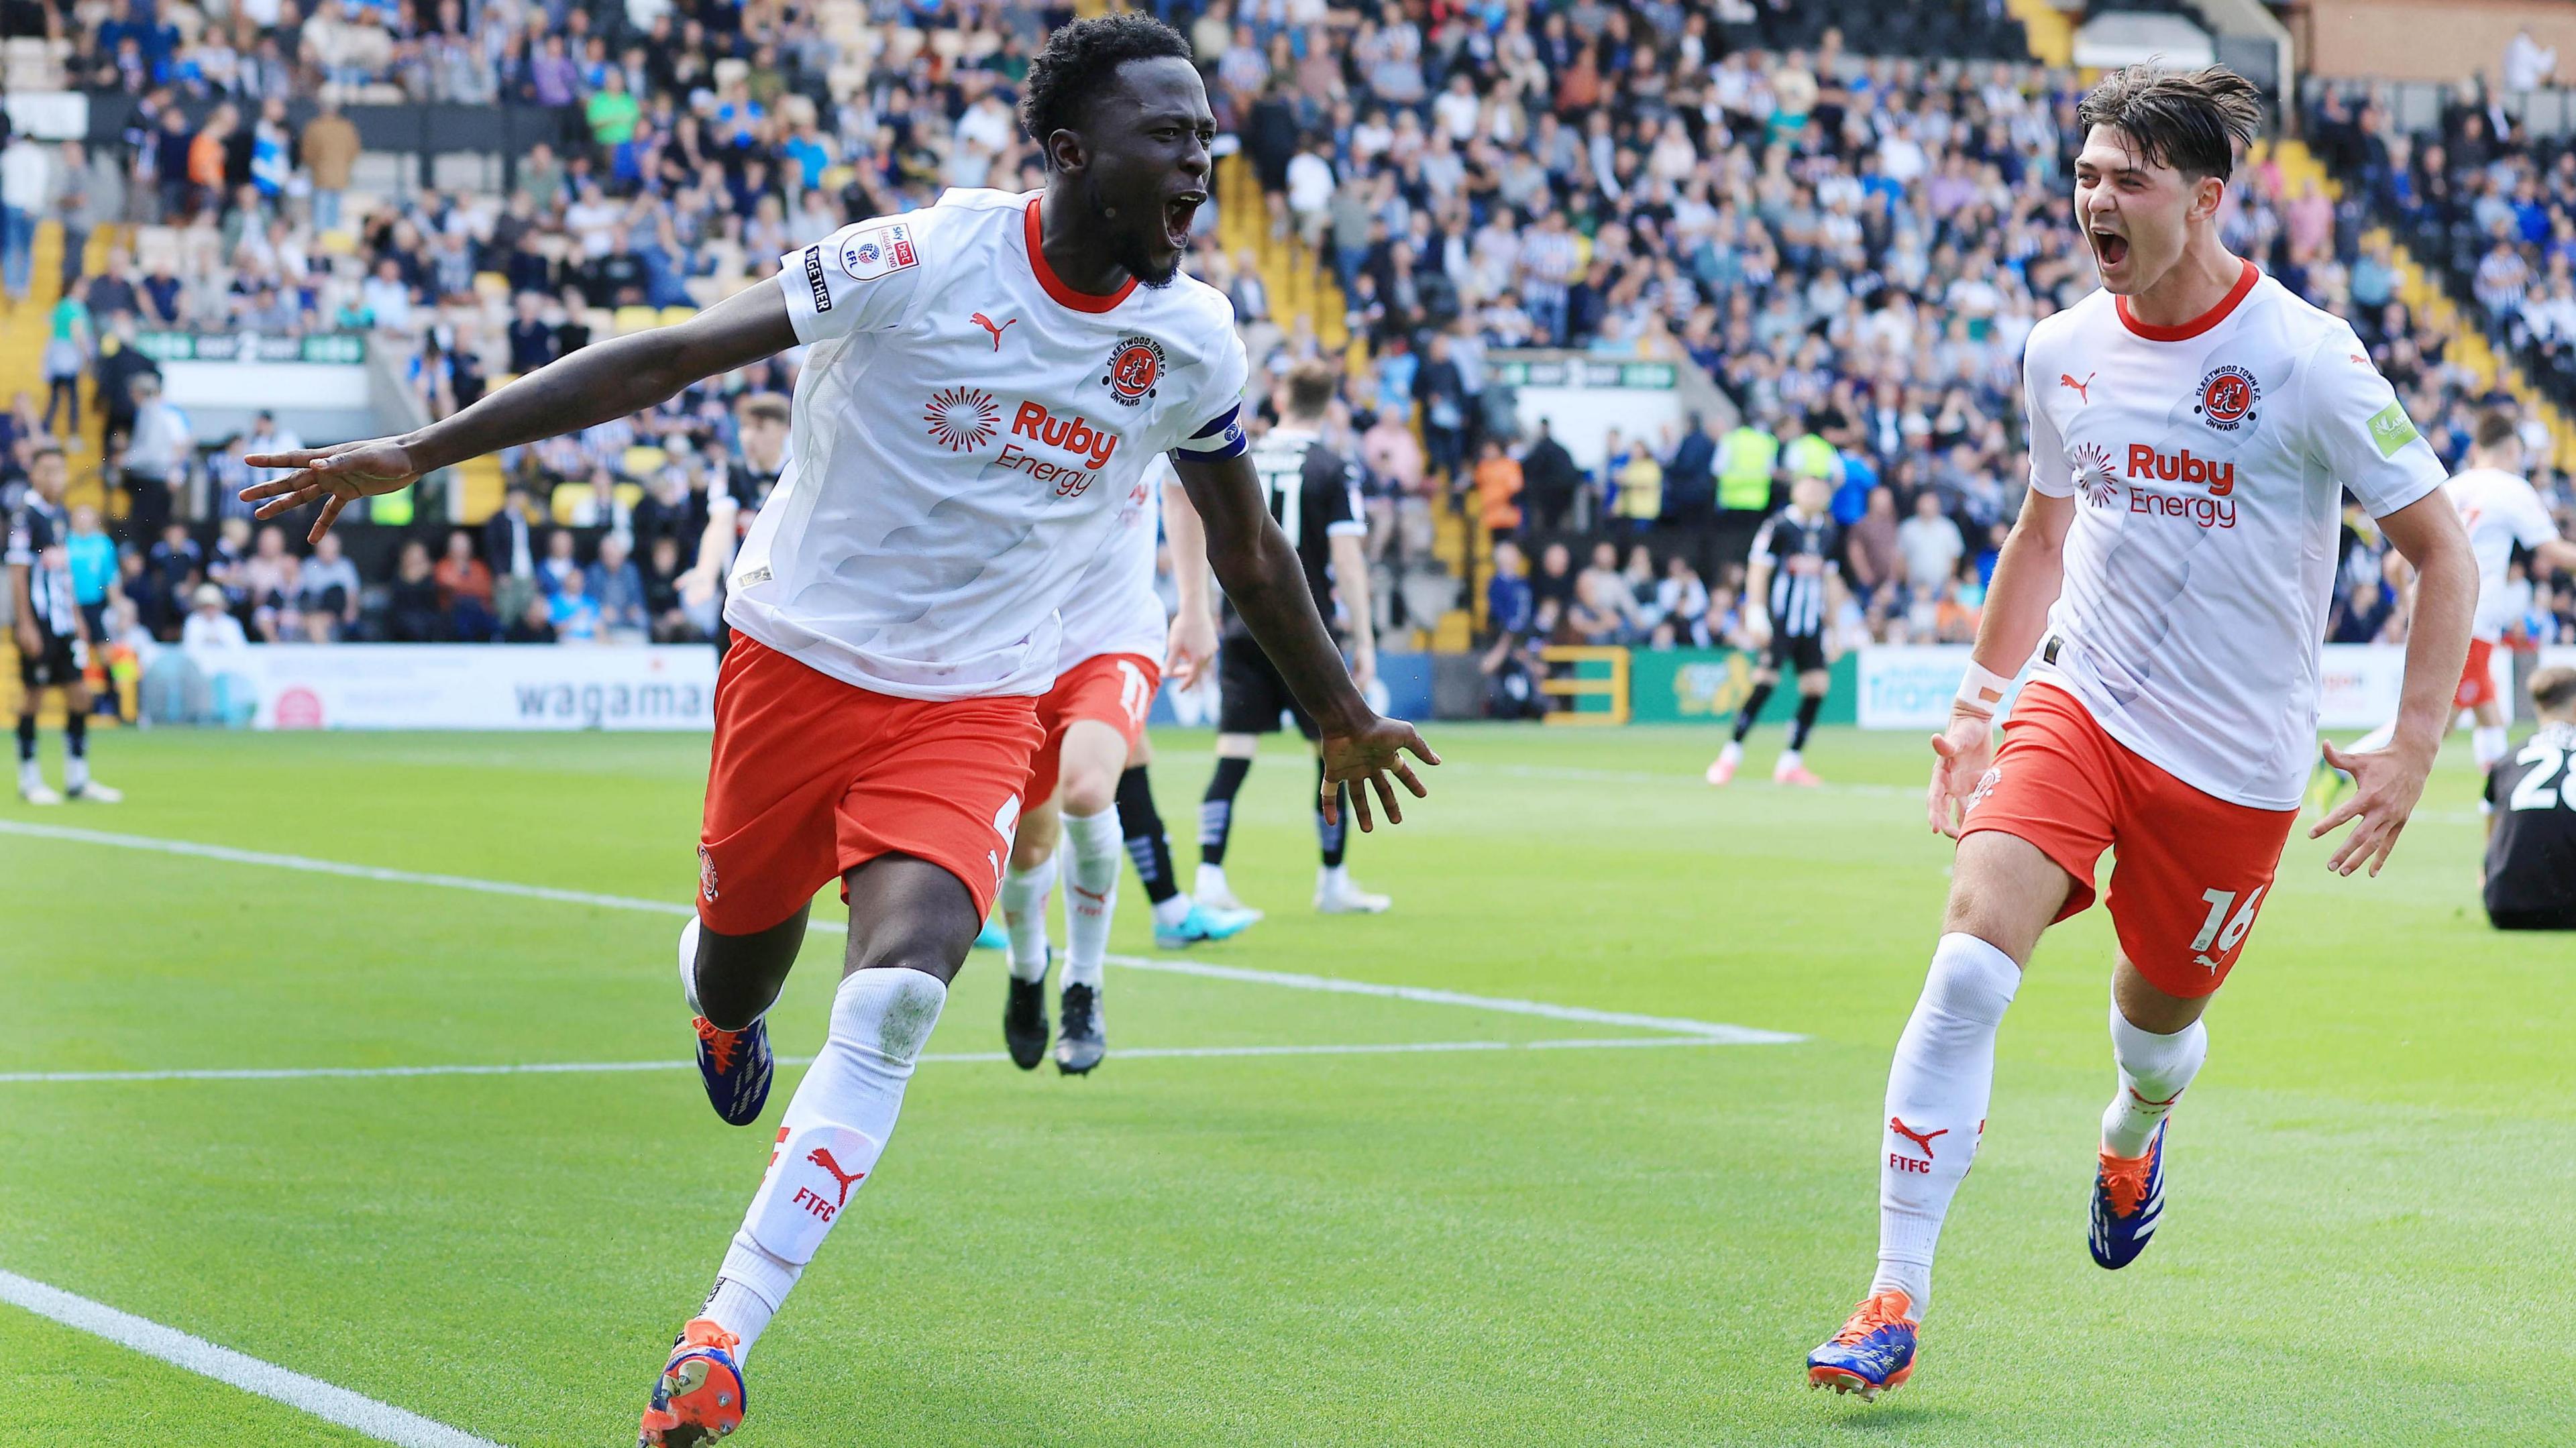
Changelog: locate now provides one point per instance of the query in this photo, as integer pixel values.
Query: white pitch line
(381, 1421)
(1717, 1031)
(579, 1068)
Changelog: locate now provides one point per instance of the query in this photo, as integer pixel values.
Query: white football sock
(2487, 745)
(1732, 754)
(1171, 912)
(1334, 878)
(835, 1127)
(1024, 917)
(1210, 881)
(1091, 892)
(2153, 1071)
(76, 770)
(1789, 759)
(1936, 1106)
(30, 778)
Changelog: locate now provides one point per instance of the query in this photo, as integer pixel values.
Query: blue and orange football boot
(699, 1397)
(1873, 1353)
(2128, 1198)
(735, 1065)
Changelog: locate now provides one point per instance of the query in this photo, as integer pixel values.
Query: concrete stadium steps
(24, 329)
(2431, 302)
(1301, 288)
(2049, 30)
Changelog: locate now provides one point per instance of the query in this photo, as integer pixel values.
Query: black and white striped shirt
(1801, 554)
(36, 534)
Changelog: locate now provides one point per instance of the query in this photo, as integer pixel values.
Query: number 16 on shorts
(2226, 926)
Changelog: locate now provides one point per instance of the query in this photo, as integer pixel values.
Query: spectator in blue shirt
(616, 586)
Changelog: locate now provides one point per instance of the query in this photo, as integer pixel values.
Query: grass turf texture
(1580, 1247)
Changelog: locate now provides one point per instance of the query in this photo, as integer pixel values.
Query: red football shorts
(813, 777)
(2477, 679)
(1116, 689)
(2190, 870)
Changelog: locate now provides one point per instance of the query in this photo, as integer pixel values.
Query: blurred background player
(2531, 816)
(1315, 495)
(2502, 512)
(1784, 585)
(733, 501)
(54, 639)
(2171, 568)
(897, 601)
(1094, 723)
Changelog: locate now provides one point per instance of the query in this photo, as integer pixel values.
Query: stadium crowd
(1852, 247)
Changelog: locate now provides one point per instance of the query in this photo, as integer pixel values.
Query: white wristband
(1981, 692)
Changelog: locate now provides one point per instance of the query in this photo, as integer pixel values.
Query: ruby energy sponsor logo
(1080, 449)
(961, 419)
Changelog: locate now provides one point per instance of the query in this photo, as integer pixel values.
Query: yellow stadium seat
(642, 460)
(566, 501)
(674, 315)
(635, 319)
(627, 494)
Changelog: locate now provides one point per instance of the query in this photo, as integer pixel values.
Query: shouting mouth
(2109, 247)
(1177, 213)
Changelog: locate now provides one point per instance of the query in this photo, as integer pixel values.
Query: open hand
(2386, 784)
(1961, 755)
(332, 476)
(1193, 644)
(1362, 759)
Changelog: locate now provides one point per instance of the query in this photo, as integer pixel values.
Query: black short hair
(1082, 58)
(2196, 121)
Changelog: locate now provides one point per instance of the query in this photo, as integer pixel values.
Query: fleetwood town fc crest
(1135, 365)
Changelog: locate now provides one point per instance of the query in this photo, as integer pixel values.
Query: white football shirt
(2500, 511)
(2211, 459)
(1114, 609)
(966, 431)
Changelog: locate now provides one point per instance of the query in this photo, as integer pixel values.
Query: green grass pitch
(2365, 1241)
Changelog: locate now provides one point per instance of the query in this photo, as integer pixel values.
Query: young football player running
(2171, 569)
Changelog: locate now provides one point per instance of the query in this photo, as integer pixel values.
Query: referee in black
(2531, 818)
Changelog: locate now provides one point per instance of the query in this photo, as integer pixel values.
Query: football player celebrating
(984, 382)
(2171, 568)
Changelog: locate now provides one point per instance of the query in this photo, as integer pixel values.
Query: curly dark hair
(1081, 59)
(2196, 121)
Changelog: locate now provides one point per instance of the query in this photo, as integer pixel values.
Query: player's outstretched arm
(601, 381)
(2388, 781)
(1261, 575)
(2027, 578)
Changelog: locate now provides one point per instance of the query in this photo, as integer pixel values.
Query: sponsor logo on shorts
(2227, 398)
(1135, 365)
(814, 279)
(1986, 783)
